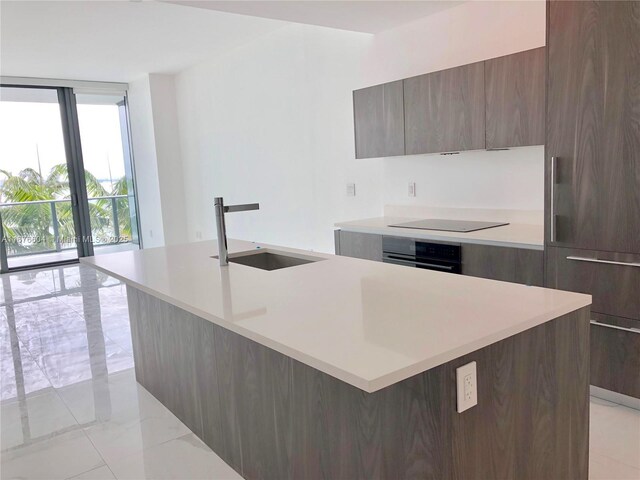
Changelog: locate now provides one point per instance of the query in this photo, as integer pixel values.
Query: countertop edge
(434, 362)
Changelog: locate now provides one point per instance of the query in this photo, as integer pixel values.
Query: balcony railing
(46, 226)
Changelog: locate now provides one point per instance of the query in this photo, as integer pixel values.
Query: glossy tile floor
(71, 407)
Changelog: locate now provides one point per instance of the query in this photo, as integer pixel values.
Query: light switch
(412, 189)
(351, 189)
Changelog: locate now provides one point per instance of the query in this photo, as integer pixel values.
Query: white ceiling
(359, 16)
(115, 41)
(120, 41)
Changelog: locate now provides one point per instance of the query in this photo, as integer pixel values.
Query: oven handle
(416, 263)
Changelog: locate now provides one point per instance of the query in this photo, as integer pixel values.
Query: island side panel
(269, 416)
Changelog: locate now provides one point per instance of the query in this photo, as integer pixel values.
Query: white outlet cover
(412, 189)
(466, 386)
(351, 189)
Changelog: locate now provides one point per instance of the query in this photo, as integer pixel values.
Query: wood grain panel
(163, 365)
(256, 394)
(593, 119)
(615, 288)
(529, 267)
(207, 385)
(379, 120)
(615, 360)
(445, 111)
(506, 264)
(515, 101)
(282, 419)
(487, 261)
(360, 245)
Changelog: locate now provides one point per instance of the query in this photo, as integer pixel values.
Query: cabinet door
(615, 358)
(379, 120)
(529, 267)
(359, 245)
(593, 125)
(615, 287)
(495, 263)
(507, 264)
(444, 111)
(514, 87)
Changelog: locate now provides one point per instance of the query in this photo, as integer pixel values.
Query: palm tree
(28, 226)
(121, 187)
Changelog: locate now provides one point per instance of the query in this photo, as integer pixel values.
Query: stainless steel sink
(269, 260)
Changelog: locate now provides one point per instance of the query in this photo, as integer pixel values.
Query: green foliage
(28, 227)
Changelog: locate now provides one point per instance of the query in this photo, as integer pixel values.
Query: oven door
(427, 264)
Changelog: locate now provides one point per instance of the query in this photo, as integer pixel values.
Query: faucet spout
(221, 209)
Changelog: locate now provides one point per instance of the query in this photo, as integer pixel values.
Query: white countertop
(369, 324)
(513, 235)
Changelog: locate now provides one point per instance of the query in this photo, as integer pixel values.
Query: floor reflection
(61, 326)
(56, 326)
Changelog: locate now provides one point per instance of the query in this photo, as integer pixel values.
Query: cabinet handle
(616, 327)
(552, 200)
(608, 262)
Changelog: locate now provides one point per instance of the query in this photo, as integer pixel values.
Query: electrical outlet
(198, 235)
(412, 189)
(467, 386)
(351, 189)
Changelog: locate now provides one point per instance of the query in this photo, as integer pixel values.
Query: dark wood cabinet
(358, 245)
(379, 120)
(445, 111)
(507, 264)
(611, 278)
(515, 106)
(593, 125)
(498, 103)
(529, 267)
(592, 194)
(615, 358)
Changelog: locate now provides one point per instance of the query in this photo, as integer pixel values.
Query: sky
(29, 130)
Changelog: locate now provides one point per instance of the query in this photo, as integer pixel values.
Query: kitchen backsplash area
(494, 180)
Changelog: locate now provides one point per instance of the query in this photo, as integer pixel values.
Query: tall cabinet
(593, 176)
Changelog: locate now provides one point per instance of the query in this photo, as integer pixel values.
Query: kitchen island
(344, 368)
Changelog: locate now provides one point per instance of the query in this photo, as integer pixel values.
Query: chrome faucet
(221, 209)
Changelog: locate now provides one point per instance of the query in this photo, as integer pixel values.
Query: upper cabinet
(515, 106)
(593, 125)
(444, 111)
(379, 120)
(499, 103)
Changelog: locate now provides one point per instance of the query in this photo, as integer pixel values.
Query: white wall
(170, 168)
(145, 162)
(157, 160)
(511, 179)
(273, 122)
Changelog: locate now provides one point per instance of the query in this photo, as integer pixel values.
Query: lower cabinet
(615, 358)
(359, 245)
(518, 265)
(613, 281)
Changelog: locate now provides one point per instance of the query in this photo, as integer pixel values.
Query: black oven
(440, 256)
